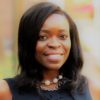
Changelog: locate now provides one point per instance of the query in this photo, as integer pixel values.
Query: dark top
(49, 95)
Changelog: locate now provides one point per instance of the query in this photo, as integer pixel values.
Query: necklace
(58, 83)
(53, 81)
(45, 84)
(49, 89)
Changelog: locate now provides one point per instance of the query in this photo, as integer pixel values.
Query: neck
(50, 74)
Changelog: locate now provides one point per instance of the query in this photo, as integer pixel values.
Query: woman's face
(53, 45)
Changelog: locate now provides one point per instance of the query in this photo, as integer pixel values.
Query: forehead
(55, 21)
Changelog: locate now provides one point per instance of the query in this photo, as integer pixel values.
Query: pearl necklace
(55, 80)
(49, 89)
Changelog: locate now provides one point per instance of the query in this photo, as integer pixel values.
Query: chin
(53, 67)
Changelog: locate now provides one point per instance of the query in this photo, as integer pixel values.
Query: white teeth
(54, 57)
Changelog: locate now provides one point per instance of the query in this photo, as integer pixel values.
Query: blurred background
(85, 13)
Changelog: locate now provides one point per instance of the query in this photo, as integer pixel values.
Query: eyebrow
(47, 31)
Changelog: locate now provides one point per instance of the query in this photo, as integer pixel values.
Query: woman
(50, 58)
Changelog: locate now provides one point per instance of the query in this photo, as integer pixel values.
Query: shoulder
(82, 90)
(3, 85)
(4, 90)
(85, 90)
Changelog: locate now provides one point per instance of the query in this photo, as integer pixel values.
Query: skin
(5, 93)
(52, 50)
(54, 44)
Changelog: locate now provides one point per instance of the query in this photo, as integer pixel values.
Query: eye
(42, 38)
(63, 37)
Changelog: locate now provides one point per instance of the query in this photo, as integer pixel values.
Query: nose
(54, 43)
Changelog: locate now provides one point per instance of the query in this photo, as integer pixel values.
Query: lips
(53, 53)
(54, 56)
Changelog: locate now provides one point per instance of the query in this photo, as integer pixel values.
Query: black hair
(30, 70)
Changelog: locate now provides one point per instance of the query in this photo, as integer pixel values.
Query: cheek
(38, 52)
(39, 48)
(67, 48)
(67, 45)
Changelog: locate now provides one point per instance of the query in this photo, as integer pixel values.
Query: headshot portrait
(50, 58)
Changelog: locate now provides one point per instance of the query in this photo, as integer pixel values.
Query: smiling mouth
(54, 57)
(53, 53)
